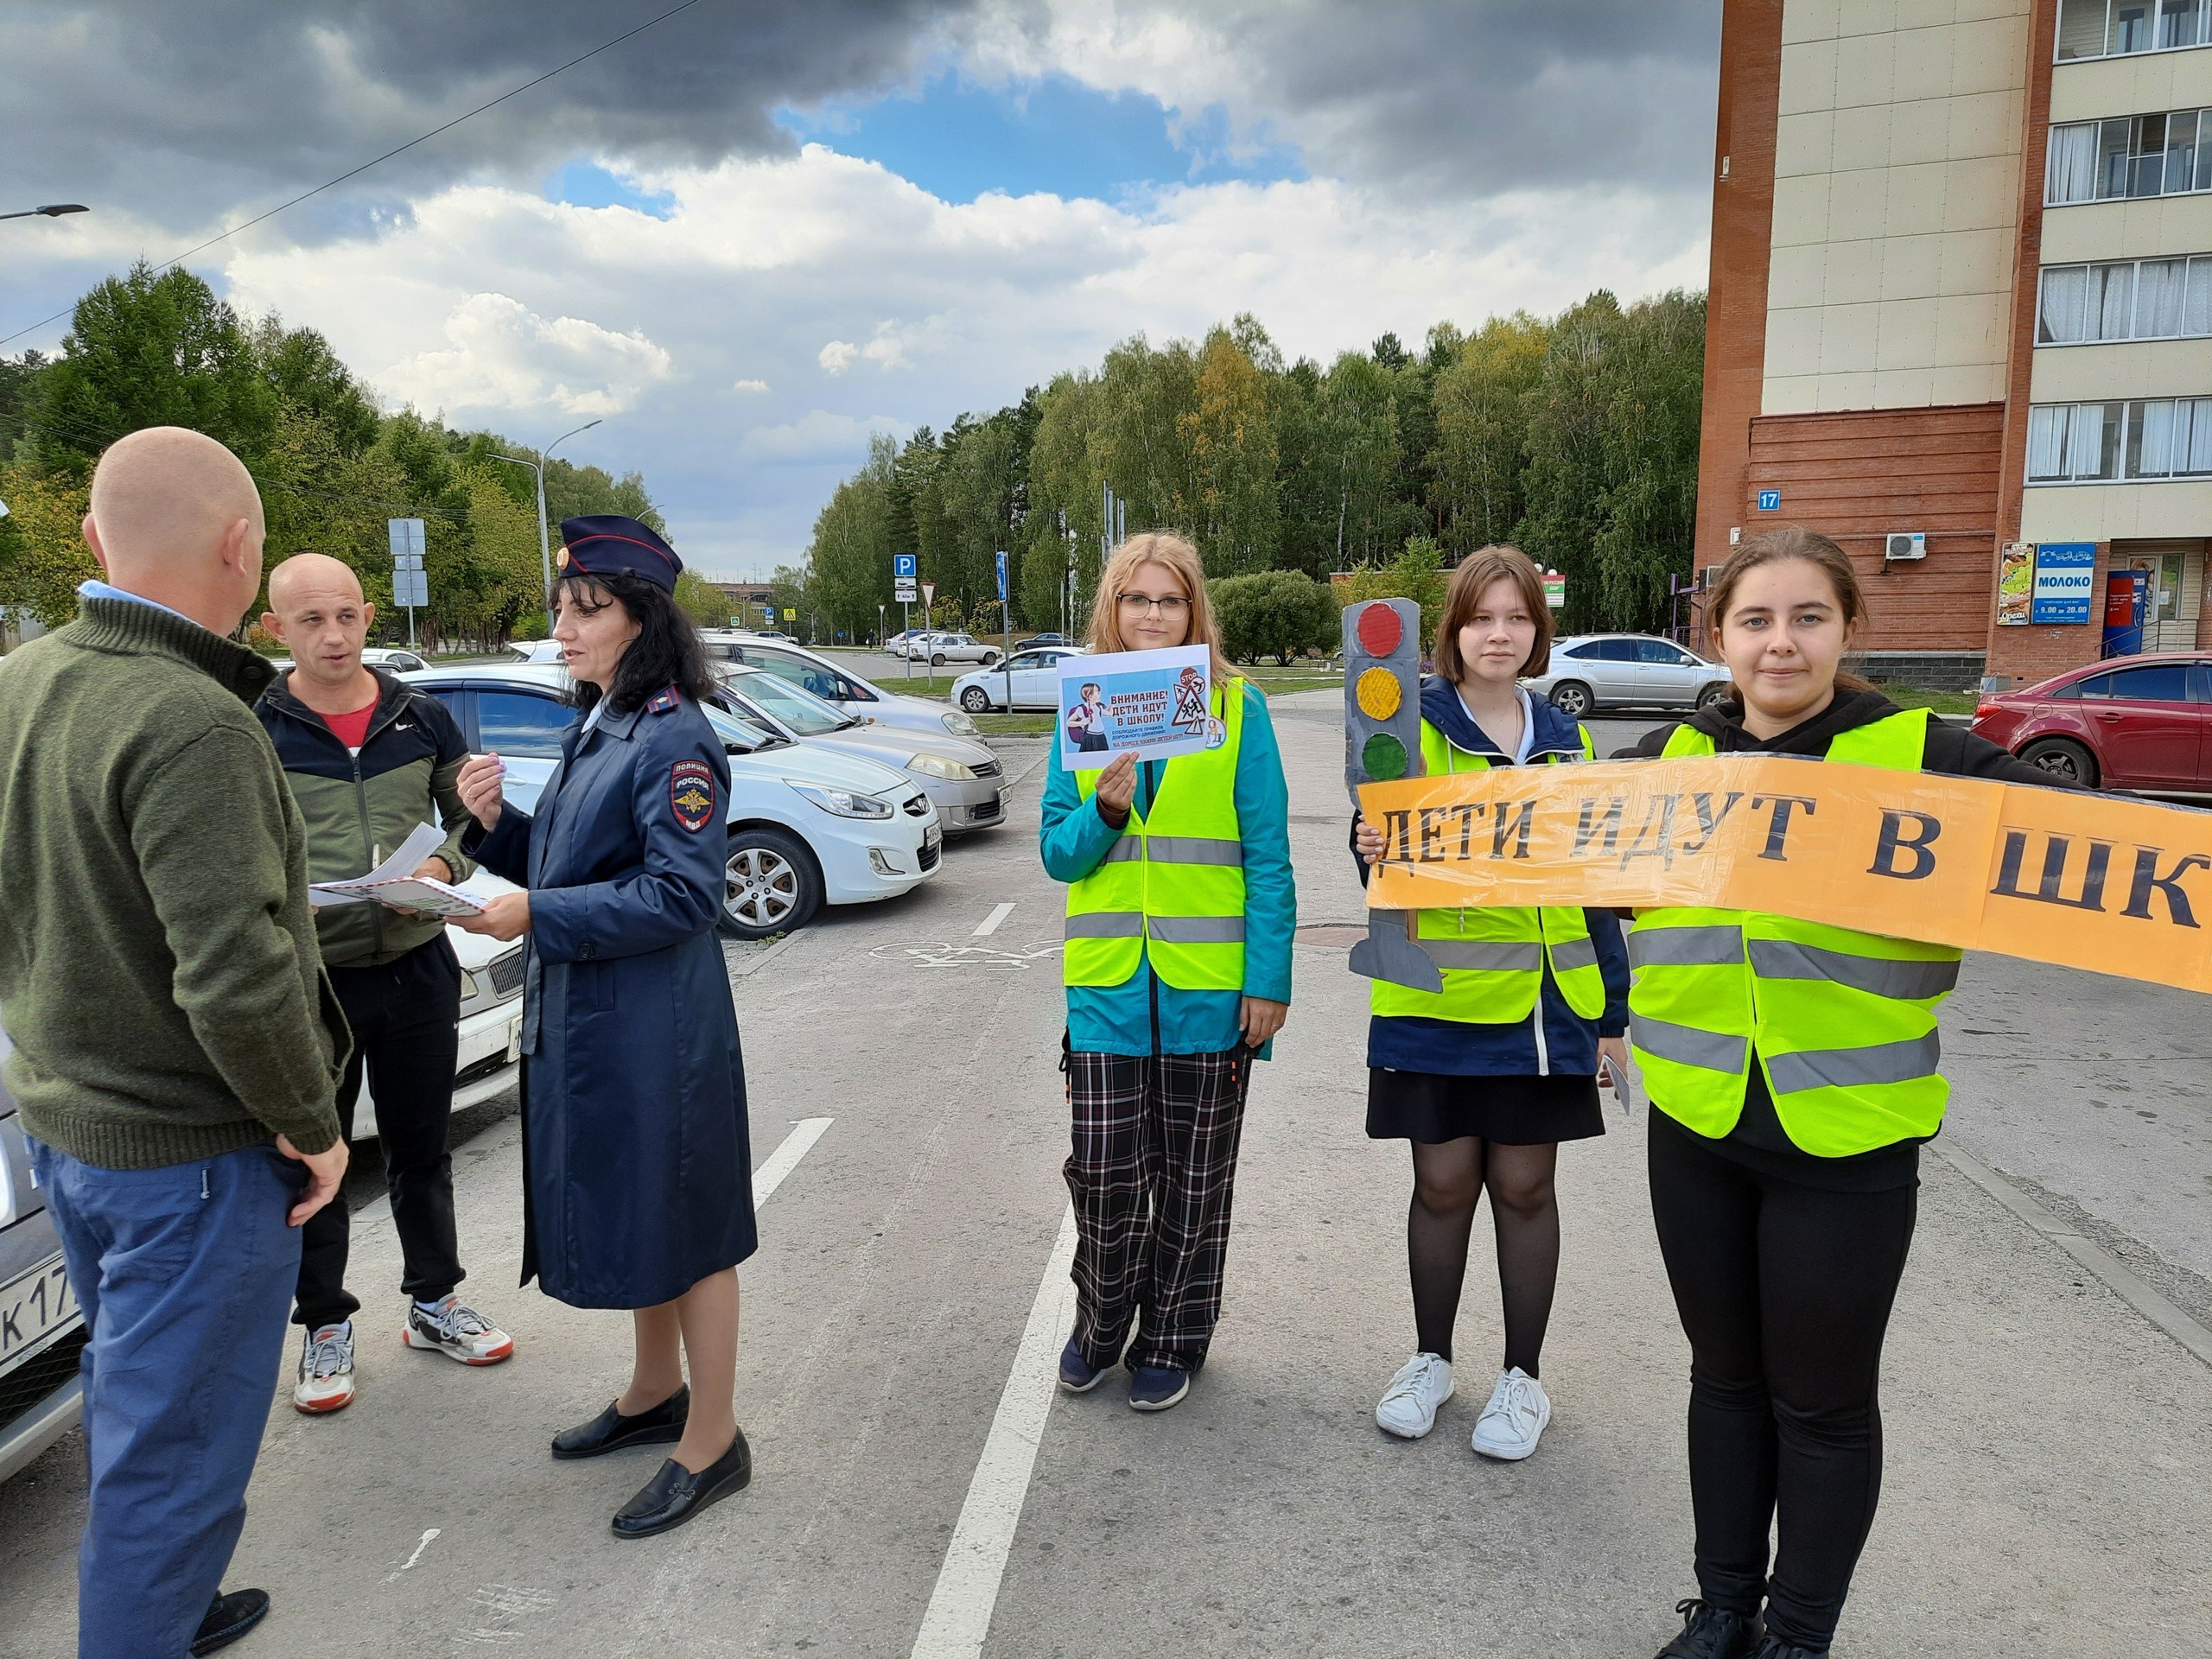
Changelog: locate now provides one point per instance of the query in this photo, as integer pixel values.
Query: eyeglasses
(1137, 604)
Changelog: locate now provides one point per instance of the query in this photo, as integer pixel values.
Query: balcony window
(2102, 29)
(2159, 287)
(2070, 442)
(2180, 23)
(2164, 154)
(2146, 299)
(2149, 439)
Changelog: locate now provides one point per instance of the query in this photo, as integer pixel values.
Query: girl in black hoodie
(1783, 1264)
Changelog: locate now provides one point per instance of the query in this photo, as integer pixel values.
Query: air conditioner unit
(1904, 544)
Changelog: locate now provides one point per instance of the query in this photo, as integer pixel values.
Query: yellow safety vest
(1843, 1022)
(1492, 956)
(1174, 883)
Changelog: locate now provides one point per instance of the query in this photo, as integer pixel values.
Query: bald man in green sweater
(177, 1043)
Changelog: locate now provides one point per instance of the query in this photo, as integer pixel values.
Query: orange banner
(2115, 886)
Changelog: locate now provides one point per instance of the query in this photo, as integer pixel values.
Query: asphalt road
(2048, 1444)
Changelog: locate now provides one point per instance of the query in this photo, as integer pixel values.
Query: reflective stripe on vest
(1493, 956)
(1172, 887)
(1843, 1022)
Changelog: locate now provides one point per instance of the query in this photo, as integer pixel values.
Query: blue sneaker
(1076, 1376)
(1156, 1387)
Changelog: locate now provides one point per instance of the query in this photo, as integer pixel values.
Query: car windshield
(800, 709)
(737, 732)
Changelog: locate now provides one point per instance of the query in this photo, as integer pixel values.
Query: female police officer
(637, 1165)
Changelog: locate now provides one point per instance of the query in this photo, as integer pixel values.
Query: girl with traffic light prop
(1488, 1074)
(1181, 914)
(1793, 1072)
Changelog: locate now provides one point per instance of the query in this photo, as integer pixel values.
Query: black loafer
(675, 1494)
(611, 1431)
(229, 1618)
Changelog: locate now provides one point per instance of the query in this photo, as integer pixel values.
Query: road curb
(2117, 1277)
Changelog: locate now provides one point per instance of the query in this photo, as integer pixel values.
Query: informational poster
(2064, 574)
(2015, 584)
(2065, 876)
(1153, 703)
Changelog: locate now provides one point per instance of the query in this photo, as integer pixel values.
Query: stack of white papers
(395, 885)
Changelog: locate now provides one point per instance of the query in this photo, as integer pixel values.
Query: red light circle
(1380, 630)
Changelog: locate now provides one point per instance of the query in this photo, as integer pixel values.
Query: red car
(2132, 722)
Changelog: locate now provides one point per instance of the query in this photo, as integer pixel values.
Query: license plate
(932, 836)
(33, 1306)
(514, 1038)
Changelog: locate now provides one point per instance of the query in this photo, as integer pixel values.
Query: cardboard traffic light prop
(1381, 745)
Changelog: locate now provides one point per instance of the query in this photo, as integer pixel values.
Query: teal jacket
(1141, 1016)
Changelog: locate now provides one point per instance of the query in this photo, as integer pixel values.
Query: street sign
(406, 536)
(1001, 577)
(1769, 500)
(1555, 590)
(791, 616)
(904, 591)
(929, 592)
(905, 567)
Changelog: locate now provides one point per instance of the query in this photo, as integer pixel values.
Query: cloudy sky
(755, 232)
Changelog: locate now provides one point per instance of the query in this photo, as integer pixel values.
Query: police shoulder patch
(691, 793)
(662, 701)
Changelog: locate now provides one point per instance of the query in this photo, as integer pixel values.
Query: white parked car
(834, 683)
(1589, 671)
(1028, 679)
(960, 775)
(536, 650)
(807, 826)
(938, 649)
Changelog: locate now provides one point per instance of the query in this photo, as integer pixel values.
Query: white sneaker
(325, 1379)
(1514, 1421)
(1408, 1405)
(457, 1330)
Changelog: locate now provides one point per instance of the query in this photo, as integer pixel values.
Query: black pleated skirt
(1514, 1111)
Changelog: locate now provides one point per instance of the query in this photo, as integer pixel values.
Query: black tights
(1449, 1178)
(1784, 1292)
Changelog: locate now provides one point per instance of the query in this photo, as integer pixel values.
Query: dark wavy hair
(666, 651)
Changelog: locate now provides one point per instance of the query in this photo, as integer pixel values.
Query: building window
(2136, 299)
(2150, 438)
(2164, 155)
(2104, 29)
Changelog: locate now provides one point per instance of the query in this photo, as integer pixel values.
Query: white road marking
(422, 1546)
(785, 1158)
(959, 1615)
(990, 924)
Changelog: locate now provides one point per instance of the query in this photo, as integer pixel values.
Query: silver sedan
(963, 776)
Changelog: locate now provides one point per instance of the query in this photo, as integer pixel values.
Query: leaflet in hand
(1157, 703)
(394, 883)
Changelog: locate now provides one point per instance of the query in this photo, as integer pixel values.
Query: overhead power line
(356, 172)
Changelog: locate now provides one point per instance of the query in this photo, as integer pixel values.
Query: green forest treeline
(1575, 437)
(153, 348)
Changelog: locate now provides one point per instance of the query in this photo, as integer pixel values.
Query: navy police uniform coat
(636, 1164)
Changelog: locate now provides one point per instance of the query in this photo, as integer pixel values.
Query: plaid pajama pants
(1152, 1170)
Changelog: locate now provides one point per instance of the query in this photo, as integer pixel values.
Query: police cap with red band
(608, 544)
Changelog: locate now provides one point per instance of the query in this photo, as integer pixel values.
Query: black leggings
(1784, 1292)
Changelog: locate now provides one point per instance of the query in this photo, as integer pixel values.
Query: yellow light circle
(1379, 694)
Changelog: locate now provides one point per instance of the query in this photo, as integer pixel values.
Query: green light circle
(1384, 757)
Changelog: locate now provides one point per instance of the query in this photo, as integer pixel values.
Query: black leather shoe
(229, 1618)
(675, 1494)
(611, 1431)
(1710, 1632)
(1775, 1648)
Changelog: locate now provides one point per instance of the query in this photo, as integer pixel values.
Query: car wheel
(770, 884)
(937, 660)
(975, 700)
(2061, 757)
(989, 657)
(1717, 692)
(1571, 698)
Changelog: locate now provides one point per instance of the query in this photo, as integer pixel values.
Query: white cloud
(837, 356)
(750, 385)
(817, 435)
(501, 355)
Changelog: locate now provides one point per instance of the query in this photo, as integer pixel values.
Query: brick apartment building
(1961, 318)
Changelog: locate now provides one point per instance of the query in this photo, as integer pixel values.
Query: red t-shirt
(353, 730)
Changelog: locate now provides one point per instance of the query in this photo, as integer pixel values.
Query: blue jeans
(185, 1273)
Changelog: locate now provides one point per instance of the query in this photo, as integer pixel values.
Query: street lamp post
(53, 210)
(545, 541)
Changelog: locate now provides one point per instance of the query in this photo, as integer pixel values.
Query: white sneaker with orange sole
(324, 1384)
(457, 1330)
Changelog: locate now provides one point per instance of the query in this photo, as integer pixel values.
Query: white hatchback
(807, 826)
(1028, 679)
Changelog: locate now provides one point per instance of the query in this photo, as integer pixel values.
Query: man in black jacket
(369, 758)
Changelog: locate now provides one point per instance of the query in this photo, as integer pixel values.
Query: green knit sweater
(158, 971)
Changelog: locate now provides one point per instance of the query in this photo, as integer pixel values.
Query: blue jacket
(1453, 1048)
(1141, 1016)
(637, 1169)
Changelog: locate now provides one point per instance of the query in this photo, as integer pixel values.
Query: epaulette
(662, 701)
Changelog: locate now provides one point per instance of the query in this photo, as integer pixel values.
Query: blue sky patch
(586, 184)
(958, 140)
